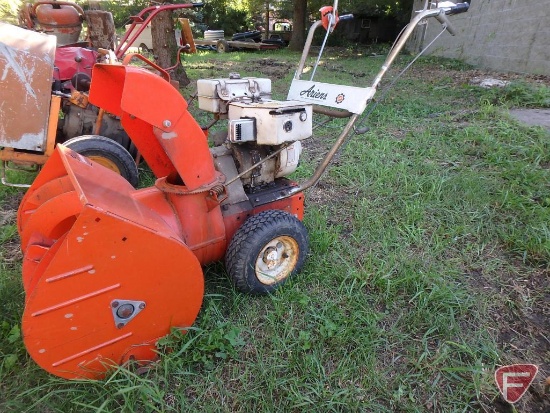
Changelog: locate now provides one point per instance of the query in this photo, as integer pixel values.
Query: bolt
(120, 325)
(142, 306)
(166, 123)
(114, 304)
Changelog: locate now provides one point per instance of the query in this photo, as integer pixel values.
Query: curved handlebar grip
(346, 17)
(459, 8)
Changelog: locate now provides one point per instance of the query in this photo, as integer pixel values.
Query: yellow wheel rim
(106, 162)
(277, 259)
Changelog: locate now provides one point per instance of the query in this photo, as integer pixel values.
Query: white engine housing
(215, 94)
(288, 160)
(275, 122)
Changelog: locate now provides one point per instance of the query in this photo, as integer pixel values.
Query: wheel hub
(277, 260)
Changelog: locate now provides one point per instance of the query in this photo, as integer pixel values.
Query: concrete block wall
(501, 35)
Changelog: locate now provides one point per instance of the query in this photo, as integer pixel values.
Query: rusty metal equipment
(46, 89)
(62, 19)
(143, 19)
(108, 270)
(48, 78)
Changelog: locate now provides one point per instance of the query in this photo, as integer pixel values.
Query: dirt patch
(519, 300)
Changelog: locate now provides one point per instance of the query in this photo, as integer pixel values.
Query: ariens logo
(314, 94)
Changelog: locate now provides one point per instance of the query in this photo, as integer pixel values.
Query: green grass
(429, 239)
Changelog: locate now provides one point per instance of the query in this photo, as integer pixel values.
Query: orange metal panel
(200, 219)
(293, 205)
(148, 145)
(52, 125)
(91, 240)
(158, 104)
(68, 324)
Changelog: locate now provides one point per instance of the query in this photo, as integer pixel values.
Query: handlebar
(449, 11)
(346, 17)
(459, 8)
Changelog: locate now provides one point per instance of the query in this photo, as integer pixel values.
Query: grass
(429, 252)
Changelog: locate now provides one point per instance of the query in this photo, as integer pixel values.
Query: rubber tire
(222, 46)
(251, 239)
(100, 146)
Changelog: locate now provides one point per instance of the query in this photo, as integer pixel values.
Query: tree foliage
(230, 16)
(9, 10)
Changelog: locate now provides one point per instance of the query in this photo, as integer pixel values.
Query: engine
(263, 135)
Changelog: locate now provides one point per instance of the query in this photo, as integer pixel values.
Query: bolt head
(166, 123)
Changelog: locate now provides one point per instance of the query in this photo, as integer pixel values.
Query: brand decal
(314, 94)
(340, 98)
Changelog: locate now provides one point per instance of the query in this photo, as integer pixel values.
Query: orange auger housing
(108, 269)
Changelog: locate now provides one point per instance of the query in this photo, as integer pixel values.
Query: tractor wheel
(266, 250)
(107, 153)
(222, 46)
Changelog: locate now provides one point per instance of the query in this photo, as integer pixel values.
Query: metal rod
(328, 157)
(331, 20)
(402, 40)
(307, 46)
(285, 145)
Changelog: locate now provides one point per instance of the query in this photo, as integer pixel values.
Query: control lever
(442, 18)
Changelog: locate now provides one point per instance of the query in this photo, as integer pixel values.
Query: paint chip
(68, 315)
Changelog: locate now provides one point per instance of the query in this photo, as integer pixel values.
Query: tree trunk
(165, 47)
(299, 25)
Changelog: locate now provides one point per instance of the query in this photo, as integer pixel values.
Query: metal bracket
(125, 310)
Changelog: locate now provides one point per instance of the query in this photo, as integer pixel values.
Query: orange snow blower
(108, 269)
